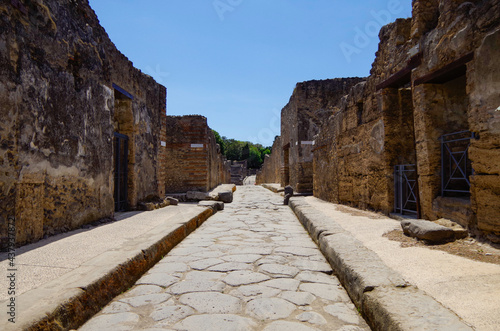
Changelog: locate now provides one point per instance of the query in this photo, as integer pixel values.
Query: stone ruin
(83, 132)
(420, 135)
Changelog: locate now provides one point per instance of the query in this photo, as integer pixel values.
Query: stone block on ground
(459, 231)
(215, 205)
(197, 196)
(226, 196)
(427, 231)
(172, 201)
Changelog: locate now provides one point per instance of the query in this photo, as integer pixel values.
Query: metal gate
(405, 189)
(120, 143)
(455, 164)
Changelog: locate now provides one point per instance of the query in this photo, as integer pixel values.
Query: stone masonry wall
(194, 159)
(456, 88)
(61, 94)
(434, 74)
(270, 171)
(310, 104)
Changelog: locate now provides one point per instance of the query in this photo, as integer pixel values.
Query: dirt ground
(467, 247)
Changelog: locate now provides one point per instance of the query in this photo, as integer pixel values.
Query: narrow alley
(249, 267)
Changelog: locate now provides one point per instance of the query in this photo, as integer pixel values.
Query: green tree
(220, 141)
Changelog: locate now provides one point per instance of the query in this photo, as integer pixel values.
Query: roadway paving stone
(249, 267)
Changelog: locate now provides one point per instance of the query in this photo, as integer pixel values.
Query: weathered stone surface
(427, 231)
(286, 284)
(222, 322)
(387, 308)
(298, 298)
(142, 300)
(116, 307)
(288, 326)
(212, 303)
(269, 308)
(205, 263)
(159, 279)
(215, 205)
(258, 291)
(325, 291)
(197, 196)
(173, 201)
(278, 270)
(226, 197)
(244, 277)
(315, 277)
(119, 322)
(171, 314)
(312, 317)
(343, 312)
(188, 286)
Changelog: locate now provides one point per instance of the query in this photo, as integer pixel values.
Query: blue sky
(237, 61)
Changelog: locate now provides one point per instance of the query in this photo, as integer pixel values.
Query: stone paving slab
(239, 278)
(65, 279)
(387, 299)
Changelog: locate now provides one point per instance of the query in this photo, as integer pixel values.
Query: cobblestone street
(249, 267)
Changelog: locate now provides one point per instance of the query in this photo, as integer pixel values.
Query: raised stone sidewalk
(65, 279)
(401, 288)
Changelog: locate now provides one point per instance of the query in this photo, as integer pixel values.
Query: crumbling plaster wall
(58, 68)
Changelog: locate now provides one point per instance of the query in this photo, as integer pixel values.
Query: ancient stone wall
(65, 89)
(456, 89)
(310, 104)
(433, 80)
(194, 159)
(270, 171)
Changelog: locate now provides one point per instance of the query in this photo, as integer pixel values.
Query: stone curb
(385, 299)
(94, 284)
(273, 188)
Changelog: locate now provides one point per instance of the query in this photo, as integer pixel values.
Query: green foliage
(220, 141)
(242, 150)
